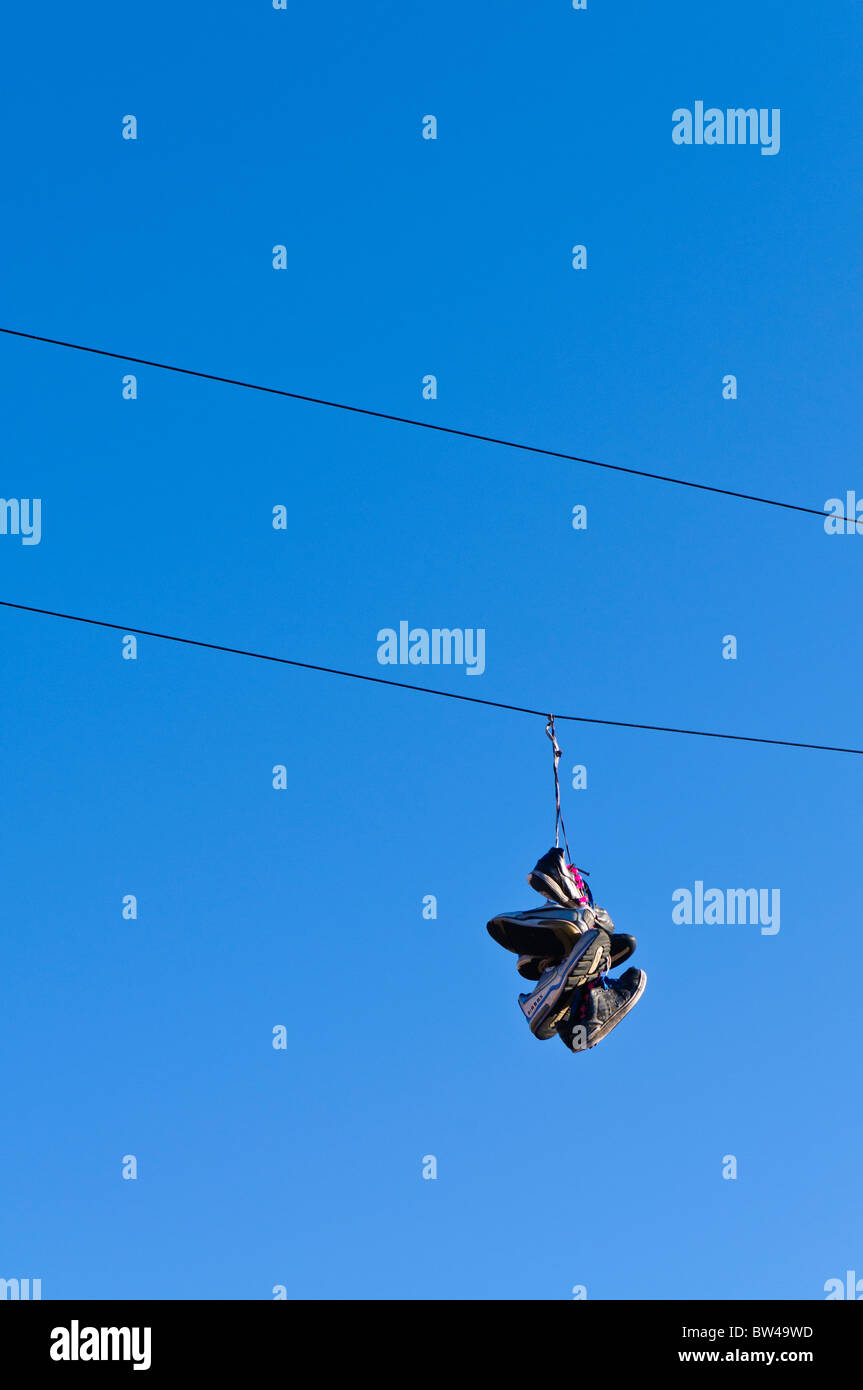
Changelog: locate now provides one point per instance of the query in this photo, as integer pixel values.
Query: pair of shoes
(558, 881)
(572, 997)
(598, 1007)
(550, 1002)
(543, 936)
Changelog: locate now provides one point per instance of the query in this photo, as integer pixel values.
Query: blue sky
(303, 907)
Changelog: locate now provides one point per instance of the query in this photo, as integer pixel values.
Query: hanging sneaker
(549, 1002)
(534, 967)
(548, 932)
(597, 1009)
(558, 881)
(622, 946)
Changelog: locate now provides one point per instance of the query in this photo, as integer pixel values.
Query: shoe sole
(580, 964)
(548, 1028)
(535, 879)
(533, 967)
(549, 1025)
(624, 951)
(536, 936)
(622, 947)
(613, 1022)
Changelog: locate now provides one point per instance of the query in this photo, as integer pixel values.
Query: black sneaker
(558, 881)
(534, 967)
(597, 1009)
(542, 931)
(531, 967)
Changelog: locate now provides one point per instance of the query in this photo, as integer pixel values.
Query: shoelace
(558, 818)
(601, 982)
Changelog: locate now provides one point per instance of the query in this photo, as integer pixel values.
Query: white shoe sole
(552, 890)
(536, 1007)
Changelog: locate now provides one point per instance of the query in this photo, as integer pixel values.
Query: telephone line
(423, 689)
(427, 425)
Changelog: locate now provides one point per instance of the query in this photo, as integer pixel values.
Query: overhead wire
(441, 429)
(425, 689)
(429, 425)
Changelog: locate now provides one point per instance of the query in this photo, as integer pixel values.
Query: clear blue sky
(303, 907)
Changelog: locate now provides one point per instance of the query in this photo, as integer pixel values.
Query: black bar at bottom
(413, 1341)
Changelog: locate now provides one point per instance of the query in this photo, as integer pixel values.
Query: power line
(423, 689)
(427, 425)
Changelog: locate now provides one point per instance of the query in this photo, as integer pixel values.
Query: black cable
(423, 689)
(427, 425)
